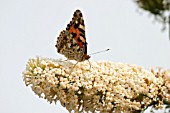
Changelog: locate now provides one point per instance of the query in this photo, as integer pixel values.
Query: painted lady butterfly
(72, 41)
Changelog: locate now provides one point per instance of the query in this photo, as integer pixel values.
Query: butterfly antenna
(100, 51)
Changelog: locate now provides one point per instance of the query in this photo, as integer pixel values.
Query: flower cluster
(105, 87)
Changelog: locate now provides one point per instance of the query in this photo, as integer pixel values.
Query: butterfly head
(85, 57)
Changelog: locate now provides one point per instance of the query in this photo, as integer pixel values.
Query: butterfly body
(72, 41)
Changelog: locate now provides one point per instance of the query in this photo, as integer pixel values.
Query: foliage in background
(160, 9)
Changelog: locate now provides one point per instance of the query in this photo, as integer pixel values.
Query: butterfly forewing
(72, 41)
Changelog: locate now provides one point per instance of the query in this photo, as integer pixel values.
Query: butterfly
(72, 42)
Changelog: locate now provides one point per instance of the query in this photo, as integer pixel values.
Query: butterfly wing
(77, 28)
(72, 42)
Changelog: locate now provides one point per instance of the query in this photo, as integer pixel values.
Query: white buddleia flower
(106, 87)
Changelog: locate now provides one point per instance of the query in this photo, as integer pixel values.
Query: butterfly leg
(73, 67)
(89, 64)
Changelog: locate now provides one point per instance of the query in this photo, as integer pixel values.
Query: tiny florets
(106, 87)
